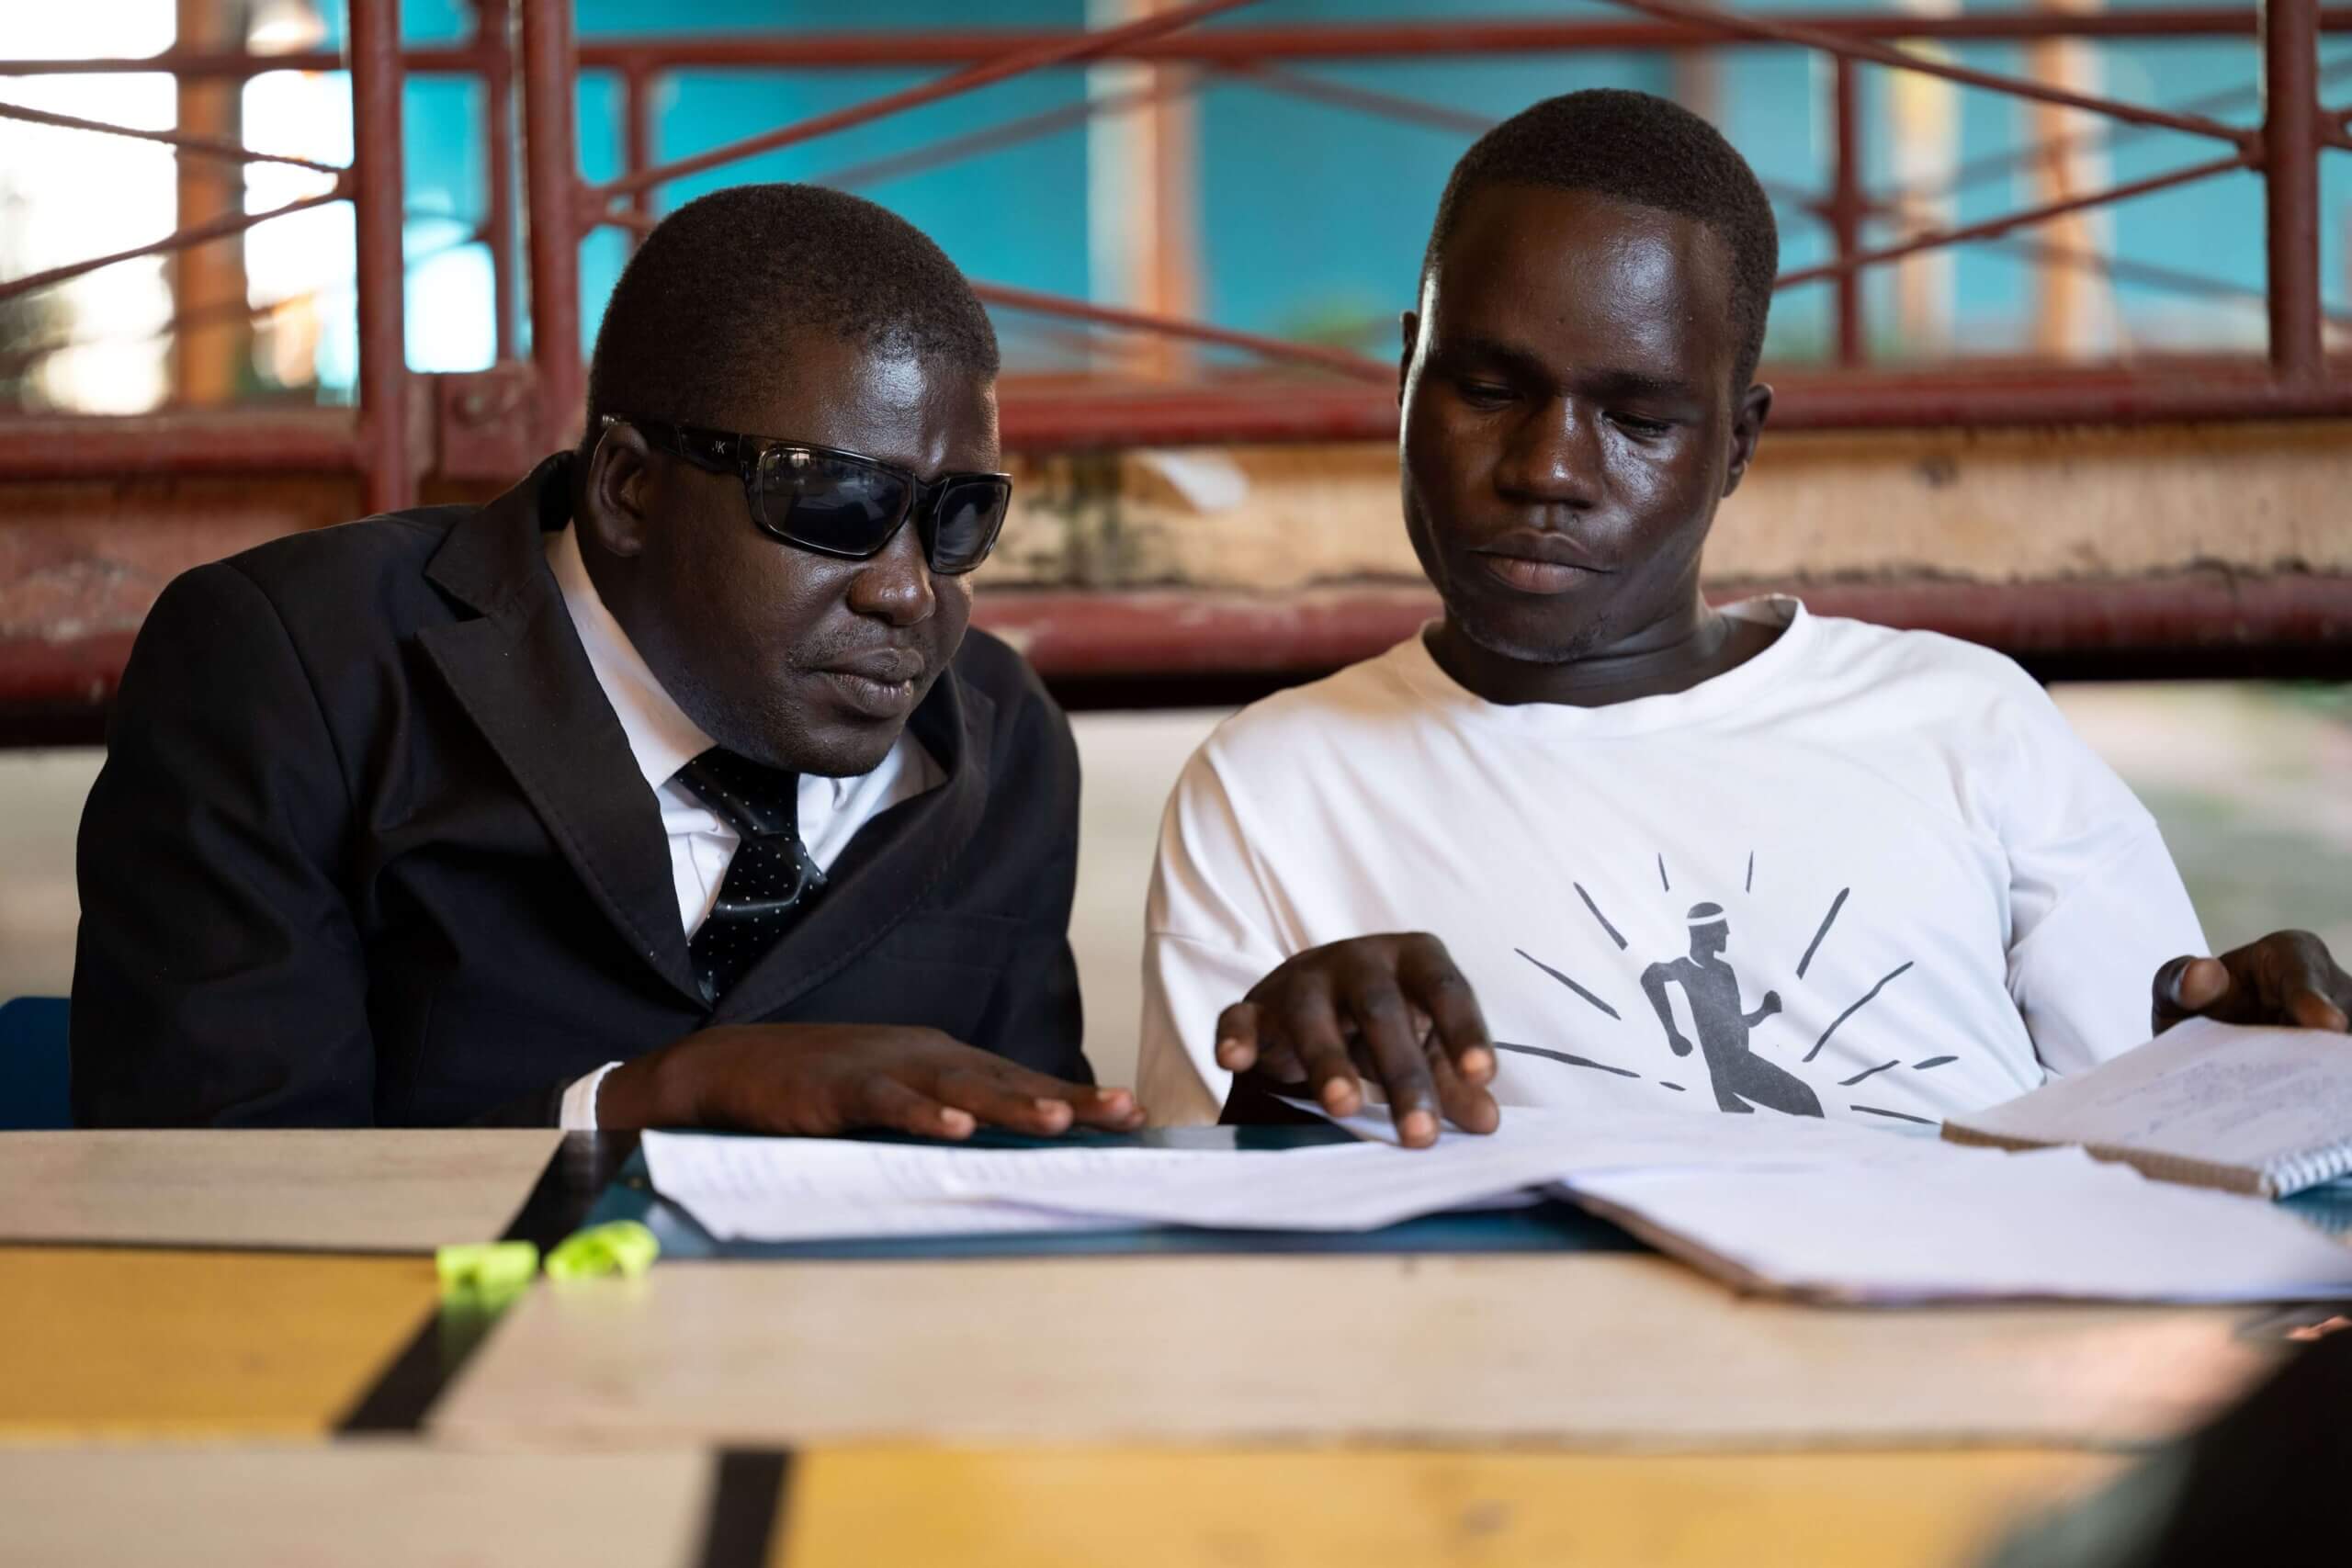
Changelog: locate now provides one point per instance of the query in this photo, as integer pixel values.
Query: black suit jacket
(370, 847)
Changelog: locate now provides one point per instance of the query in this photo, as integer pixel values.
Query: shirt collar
(661, 737)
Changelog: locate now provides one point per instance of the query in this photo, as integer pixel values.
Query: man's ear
(1410, 321)
(614, 498)
(1747, 430)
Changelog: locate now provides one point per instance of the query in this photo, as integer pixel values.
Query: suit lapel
(890, 866)
(520, 675)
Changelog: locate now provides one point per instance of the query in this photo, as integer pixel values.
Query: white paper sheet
(1595, 1138)
(1814, 1208)
(825, 1190)
(2267, 1100)
(814, 1189)
(1330, 1187)
(2049, 1223)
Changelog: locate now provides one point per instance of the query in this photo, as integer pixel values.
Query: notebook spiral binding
(2325, 1163)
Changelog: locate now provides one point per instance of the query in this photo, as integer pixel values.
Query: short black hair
(705, 308)
(1638, 149)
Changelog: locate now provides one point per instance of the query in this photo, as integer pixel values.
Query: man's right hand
(1393, 1008)
(818, 1079)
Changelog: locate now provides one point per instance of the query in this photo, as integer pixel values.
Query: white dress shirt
(663, 740)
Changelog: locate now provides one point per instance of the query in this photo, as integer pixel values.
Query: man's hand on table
(817, 1080)
(2288, 978)
(1392, 1009)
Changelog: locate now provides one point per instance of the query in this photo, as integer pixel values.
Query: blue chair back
(36, 1065)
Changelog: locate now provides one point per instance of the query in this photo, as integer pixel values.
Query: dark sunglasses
(840, 503)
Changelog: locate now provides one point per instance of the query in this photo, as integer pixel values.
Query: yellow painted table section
(166, 1333)
(1413, 1509)
(119, 1342)
(398, 1504)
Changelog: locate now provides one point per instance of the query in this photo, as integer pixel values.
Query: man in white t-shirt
(1746, 860)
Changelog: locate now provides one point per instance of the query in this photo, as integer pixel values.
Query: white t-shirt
(1894, 833)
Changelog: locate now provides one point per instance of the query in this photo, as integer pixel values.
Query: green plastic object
(486, 1269)
(618, 1247)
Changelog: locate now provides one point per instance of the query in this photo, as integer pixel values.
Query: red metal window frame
(558, 208)
(539, 213)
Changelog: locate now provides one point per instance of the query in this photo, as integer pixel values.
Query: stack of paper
(2051, 1223)
(1768, 1202)
(2261, 1111)
(813, 1189)
(823, 1189)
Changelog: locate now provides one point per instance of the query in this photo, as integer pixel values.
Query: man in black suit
(667, 789)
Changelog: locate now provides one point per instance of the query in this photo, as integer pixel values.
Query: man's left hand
(2288, 978)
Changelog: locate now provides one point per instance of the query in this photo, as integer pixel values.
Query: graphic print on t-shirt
(1709, 988)
(1712, 990)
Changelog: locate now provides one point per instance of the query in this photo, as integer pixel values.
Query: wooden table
(229, 1283)
(367, 1191)
(253, 1289)
(401, 1505)
(1597, 1351)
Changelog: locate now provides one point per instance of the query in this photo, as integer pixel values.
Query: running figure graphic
(1713, 988)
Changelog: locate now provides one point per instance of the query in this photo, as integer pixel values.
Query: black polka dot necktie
(770, 876)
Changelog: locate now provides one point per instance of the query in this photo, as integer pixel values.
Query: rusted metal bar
(636, 138)
(1039, 419)
(2044, 397)
(1082, 417)
(551, 176)
(1172, 635)
(1904, 60)
(235, 64)
(1335, 359)
(206, 146)
(212, 441)
(1846, 207)
(2215, 612)
(1343, 95)
(1029, 128)
(2290, 139)
(1438, 117)
(235, 223)
(1173, 649)
(1467, 35)
(1992, 227)
(2004, 165)
(1453, 36)
(380, 182)
(1066, 308)
(1164, 634)
(12, 361)
(1063, 50)
(996, 137)
(494, 40)
(2149, 275)
(45, 674)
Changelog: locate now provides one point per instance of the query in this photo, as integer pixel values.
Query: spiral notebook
(2267, 1111)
